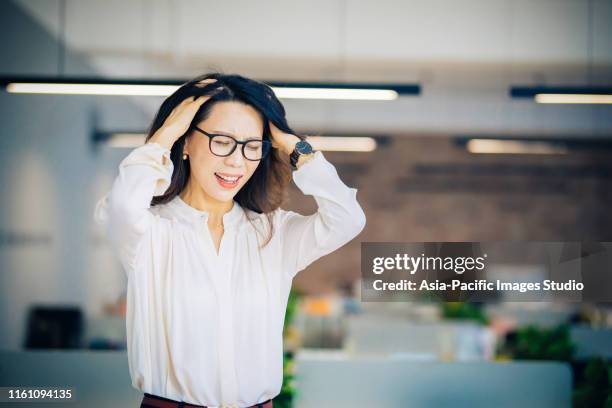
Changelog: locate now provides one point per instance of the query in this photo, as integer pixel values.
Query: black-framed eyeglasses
(224, 145)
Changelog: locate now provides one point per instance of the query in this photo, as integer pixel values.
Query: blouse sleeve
(125, 210)
(339, 217)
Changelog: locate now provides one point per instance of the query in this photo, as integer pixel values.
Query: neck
(198, 199)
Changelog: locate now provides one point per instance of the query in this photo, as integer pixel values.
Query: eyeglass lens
(224, 146)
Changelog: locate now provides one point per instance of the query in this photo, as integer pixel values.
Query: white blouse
(202, 327)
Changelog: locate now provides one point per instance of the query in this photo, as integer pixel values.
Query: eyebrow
(222, 132)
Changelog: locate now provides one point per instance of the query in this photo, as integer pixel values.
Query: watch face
(303, 147)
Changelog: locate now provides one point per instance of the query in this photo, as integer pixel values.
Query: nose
(236, 159)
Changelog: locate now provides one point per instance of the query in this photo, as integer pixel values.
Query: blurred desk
(370, 335)
(101, 379)
(542, 314)
(342, 381)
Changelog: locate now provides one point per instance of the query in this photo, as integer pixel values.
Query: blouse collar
(232, 217)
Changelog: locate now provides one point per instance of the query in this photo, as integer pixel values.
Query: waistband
(155, 401)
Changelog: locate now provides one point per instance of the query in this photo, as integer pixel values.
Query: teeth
(228, 179)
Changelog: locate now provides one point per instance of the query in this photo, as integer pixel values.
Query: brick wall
(429, 188)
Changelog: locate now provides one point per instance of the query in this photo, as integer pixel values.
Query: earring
(185, 156)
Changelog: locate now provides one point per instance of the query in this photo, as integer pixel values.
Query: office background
(426, 180)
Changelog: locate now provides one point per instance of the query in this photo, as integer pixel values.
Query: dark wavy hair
(266, 190)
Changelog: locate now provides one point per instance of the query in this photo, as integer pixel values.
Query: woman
(194, 218)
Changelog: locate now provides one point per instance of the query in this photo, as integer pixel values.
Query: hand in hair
(179, 120)
(281, 140)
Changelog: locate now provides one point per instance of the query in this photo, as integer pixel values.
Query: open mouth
(227, 181)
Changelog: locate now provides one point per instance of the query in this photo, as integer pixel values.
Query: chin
(224, 196)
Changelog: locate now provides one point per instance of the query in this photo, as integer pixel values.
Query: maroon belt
(155, 401)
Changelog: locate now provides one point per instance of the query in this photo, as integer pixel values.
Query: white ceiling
(465, 54)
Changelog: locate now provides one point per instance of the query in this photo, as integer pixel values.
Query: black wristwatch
(301, 147)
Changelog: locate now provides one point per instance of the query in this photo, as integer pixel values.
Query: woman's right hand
(179, 120)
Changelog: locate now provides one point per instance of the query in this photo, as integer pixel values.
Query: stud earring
(185, 156)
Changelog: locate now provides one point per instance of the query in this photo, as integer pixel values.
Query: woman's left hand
(281, 140)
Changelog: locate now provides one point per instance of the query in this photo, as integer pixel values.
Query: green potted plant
(287, 395)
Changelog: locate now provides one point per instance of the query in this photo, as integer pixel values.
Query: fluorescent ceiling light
(573, 98)
(336, 93)
(343, 143)
(127, 87)
(90, 89)
(499, 146)
(123, 140)
(323, 143)
(566, 95)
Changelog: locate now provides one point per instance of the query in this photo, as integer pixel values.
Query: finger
(178, 108)
(191, 109)
(190, 102)
(208, 89)
(186, 101)
(199, 101)
(273, 128)
(182, 105)
(205, 82)
(202, 99)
